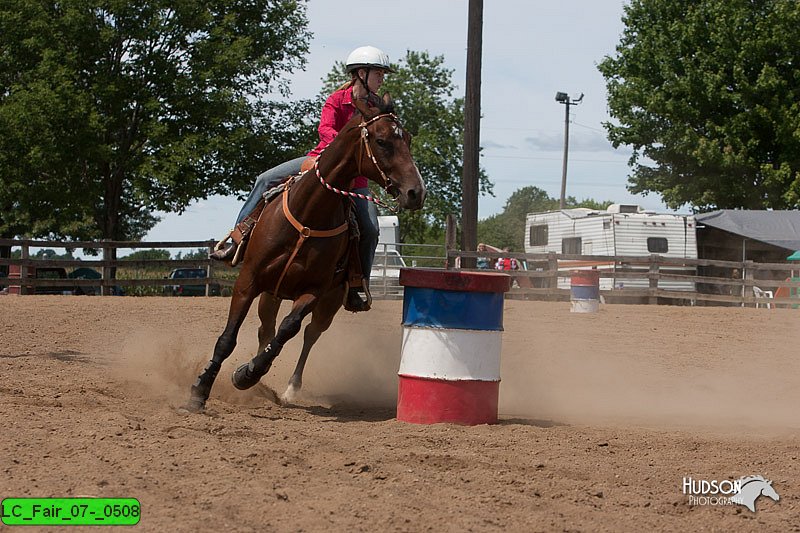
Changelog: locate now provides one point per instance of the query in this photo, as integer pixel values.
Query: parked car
(189, 290)
(86, 273)
(52, 273)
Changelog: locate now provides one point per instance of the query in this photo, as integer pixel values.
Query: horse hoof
(195, 405)
(291, 395)
(243, 378)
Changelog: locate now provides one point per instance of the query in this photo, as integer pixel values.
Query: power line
(552, 159)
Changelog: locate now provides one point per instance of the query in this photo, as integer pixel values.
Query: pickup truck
(189, 290)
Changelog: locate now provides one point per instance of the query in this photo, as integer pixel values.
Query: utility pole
(472, 134)
(564, 99)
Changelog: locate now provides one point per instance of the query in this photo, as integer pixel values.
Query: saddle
(240, 234)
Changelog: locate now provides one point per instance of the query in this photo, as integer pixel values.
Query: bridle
(364, 147)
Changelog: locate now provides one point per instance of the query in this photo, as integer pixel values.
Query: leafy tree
(112, 109)
(422, 90)
(507, 229)
(201, 254)
(148, 255)
(708, 91)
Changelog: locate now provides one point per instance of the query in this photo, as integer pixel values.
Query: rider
(367, 66)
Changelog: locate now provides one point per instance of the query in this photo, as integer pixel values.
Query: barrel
(452, 337)
(14, 272)
(584, 291)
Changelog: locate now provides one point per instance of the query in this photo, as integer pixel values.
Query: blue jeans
(367, 216)
(266, 181)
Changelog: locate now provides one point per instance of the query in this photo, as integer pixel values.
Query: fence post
(109, 255)
(747, 280)
(449, 240)
(209, 269)
(653, 278)
(552, 282)
(23, 269)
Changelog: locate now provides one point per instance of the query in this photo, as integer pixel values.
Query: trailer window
(538, 236)
(571, 245)
(657, 245)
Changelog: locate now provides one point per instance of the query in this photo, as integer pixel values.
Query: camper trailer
(621, 230)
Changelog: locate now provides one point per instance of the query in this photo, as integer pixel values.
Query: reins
(364, 145)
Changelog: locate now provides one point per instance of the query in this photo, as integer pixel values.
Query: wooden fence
(107, 265)
(652, 279)
(385, 282)
(626, 279)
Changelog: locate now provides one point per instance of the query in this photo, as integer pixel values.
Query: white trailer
(622, 230)
(389, 227)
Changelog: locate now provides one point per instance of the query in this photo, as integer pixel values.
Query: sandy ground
(602, 416)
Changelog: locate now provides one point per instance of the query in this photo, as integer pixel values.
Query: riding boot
(355, 302)
(238, 235)
(224, 254)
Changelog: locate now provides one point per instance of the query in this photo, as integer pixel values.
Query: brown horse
(287, 260)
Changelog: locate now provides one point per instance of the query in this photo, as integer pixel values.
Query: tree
(148, 255)
(707, 90)
(507, 229)
(112, 109)
(422, 90)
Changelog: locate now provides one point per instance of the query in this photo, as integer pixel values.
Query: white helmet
(368, 57)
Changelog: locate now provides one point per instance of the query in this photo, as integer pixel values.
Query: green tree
(708, 92)
(422, 90)
(147, 255)
(112, 109)
(507, 229)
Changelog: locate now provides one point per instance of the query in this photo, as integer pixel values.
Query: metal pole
(563, 201)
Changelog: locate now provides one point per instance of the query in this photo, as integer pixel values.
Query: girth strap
(305, 232)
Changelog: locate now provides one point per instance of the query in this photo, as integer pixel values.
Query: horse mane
(375, 101)
(745, 480)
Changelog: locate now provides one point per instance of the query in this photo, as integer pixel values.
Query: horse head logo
(752, 488)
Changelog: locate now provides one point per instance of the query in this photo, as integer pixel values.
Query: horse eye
(381, 143)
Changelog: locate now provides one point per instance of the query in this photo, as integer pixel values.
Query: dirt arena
(602, 417)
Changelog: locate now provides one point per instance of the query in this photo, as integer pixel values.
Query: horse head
(388, 154)
(751, 488)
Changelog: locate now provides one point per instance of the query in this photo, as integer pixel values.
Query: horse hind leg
(321, 320)
(248, 374)
(268, 307)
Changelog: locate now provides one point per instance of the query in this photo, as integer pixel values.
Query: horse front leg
(321, 320)
(243, 295)
(248, 374)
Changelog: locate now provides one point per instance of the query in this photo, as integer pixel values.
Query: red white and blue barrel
(450, 363)
(584, 291)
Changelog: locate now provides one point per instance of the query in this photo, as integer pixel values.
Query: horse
(287, 260)
(751, 488)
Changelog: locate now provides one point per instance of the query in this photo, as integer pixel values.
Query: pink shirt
(336, 112)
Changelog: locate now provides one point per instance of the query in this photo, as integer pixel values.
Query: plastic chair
(759, 293)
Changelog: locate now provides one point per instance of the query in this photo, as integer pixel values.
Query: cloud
(491, 145)
(579, 141)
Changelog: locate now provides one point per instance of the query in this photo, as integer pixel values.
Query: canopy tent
(778, 228)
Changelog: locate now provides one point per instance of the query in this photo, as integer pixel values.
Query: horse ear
(387, 99)
(364, 109)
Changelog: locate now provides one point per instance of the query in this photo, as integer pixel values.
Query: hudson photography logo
(743, 491)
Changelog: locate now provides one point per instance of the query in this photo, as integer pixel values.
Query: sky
(531, 50)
